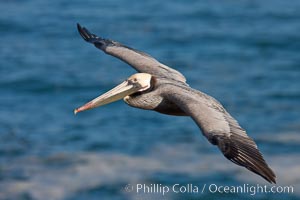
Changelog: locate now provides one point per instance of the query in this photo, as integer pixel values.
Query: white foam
(88, 170)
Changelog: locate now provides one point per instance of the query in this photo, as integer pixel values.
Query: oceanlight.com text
(177, 188)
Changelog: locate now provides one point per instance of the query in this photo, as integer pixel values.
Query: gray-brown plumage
(160, 88)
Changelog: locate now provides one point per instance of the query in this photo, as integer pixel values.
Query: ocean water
(244, 53)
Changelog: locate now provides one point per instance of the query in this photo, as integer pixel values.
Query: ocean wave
(62, 175)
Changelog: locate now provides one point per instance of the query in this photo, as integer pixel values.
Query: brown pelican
(160, 88)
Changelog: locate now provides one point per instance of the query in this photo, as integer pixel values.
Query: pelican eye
(132, 81)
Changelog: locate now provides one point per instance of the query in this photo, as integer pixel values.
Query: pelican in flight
(163, 89)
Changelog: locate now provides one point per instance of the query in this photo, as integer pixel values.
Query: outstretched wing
(140, 61)
(220, 128)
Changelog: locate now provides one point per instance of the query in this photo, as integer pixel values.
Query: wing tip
(78, 26)
(244, 152)
(260, 168)
(269, 175)
(265, 172)
(82, 32)
(87, 35)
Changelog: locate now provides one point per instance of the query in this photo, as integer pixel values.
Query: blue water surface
(244, 53)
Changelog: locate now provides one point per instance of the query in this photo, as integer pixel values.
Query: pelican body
(160, 88)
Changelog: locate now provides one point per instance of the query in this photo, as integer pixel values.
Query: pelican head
(136, 83)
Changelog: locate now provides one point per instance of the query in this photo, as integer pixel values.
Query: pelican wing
(140, 61)
(220, 128)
